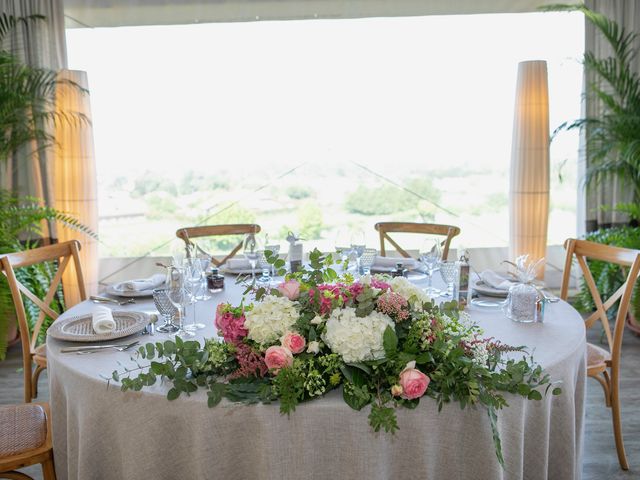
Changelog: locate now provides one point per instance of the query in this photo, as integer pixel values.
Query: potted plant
(27, 96)
(613, 142)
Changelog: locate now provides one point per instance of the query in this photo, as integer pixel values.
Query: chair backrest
(626, 259)
(63, 253)
(384, 228)
(187, 233)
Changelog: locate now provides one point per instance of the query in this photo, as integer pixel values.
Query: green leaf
(115, 376)
(390, 342)
(215, 394)
(557, 391)
(383, 417)
(151, 351)
(361, 366)
(354, 396)
(172, 394)
(535, 395)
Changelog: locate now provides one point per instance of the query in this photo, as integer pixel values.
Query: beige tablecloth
(100, 432)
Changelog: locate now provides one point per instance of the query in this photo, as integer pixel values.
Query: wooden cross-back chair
(384, 228)
(187, 233)
(602, 364)
(25, 439)
(63, 253)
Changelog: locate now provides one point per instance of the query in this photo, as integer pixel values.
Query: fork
(119, 349)
(97, 299)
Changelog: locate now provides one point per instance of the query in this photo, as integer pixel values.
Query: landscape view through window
(321, 126)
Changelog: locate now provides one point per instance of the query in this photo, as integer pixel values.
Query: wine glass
(341, 245)
(358, 244)
(251, 252)
(177, 294)
(275, 250)
(193, 276)
(430, 256)
(166, 309)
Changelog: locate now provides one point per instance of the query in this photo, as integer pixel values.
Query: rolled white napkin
(102, 321)
(238, 263)
(144, 283)
(390, 262)
(495, 280)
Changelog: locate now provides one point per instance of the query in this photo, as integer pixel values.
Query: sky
(432, 91)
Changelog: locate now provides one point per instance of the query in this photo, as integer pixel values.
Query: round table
(100, 432)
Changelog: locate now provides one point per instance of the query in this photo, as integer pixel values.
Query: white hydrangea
(413, 294)
(270, 319)
(356, 339)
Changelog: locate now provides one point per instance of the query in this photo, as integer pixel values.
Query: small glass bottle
(215, 281)
(399, 271)
(462, 285)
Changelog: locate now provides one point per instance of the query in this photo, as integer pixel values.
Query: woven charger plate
(79, 329)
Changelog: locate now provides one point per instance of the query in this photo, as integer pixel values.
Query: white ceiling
(111, 13)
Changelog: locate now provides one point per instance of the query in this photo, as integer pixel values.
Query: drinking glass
(275, 250)
(251, 252)
(430, 256)
(341, 242)
(166, 309)
(448, 271)
(179, 297)
(205, 264)
(193, 276)
(358, 244)
(367, 260)
(265, 267)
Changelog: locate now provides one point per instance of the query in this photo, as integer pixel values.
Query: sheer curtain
(608, 193)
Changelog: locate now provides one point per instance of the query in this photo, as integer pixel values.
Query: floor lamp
(529, 182)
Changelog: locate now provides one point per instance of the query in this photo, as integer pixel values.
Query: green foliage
(199, 182)
(297, 192)
(150, 182)
(160, 205)
(389, 199)
(613, 138)
(610, 277)
(20, 226)
(231, 214)
(310, 221)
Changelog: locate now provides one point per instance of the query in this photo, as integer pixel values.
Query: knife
(97, 347)
(96, 298)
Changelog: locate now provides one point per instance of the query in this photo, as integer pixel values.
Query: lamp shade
(75, 187)
(529, 179)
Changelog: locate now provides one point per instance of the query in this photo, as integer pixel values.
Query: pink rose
(294, 342)
(290, 289)
(413, 382)
(277, 357)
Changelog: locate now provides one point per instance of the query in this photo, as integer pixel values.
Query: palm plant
(613, 137)
(27, 106)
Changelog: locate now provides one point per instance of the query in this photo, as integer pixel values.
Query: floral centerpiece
(381, 339)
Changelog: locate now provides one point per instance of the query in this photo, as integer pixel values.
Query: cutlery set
(121, 347)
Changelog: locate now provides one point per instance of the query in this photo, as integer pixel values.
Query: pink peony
(230, 325)
(290, 289)
(413, 382)
(294, 342)
(277, 357)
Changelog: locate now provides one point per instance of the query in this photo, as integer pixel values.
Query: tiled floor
(600, 459)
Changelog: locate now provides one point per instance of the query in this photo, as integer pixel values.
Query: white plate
(79, 328)
(484, 289)
(121, 292)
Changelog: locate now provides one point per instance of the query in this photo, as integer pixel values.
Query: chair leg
(48, 469)
(28, 383)
(617, 430)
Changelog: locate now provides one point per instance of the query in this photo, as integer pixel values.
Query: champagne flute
(251, 252)
(193, 282)
(178, 296)
(358, 244)
(430, 256)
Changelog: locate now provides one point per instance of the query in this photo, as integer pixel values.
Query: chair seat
(597, 358)
(22, 428)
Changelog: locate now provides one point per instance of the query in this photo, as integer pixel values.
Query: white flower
(413, 294)
(317, 320)
(270, 319)
(480, 353)
(356, 339)
(313, 347)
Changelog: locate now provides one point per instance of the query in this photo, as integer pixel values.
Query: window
(311, 125)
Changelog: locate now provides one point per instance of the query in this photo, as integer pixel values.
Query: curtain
(43, 45)
(74, 177)
(608, 193)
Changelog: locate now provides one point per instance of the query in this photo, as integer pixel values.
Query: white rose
(313, 347)
(317, 320)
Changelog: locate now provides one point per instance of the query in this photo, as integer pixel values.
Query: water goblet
(448, 271)
(367, 260)
(430, 256)
(166, 309)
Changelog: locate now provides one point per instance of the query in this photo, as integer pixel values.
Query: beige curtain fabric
(609, 193)
(43, 45)
(75, 180)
